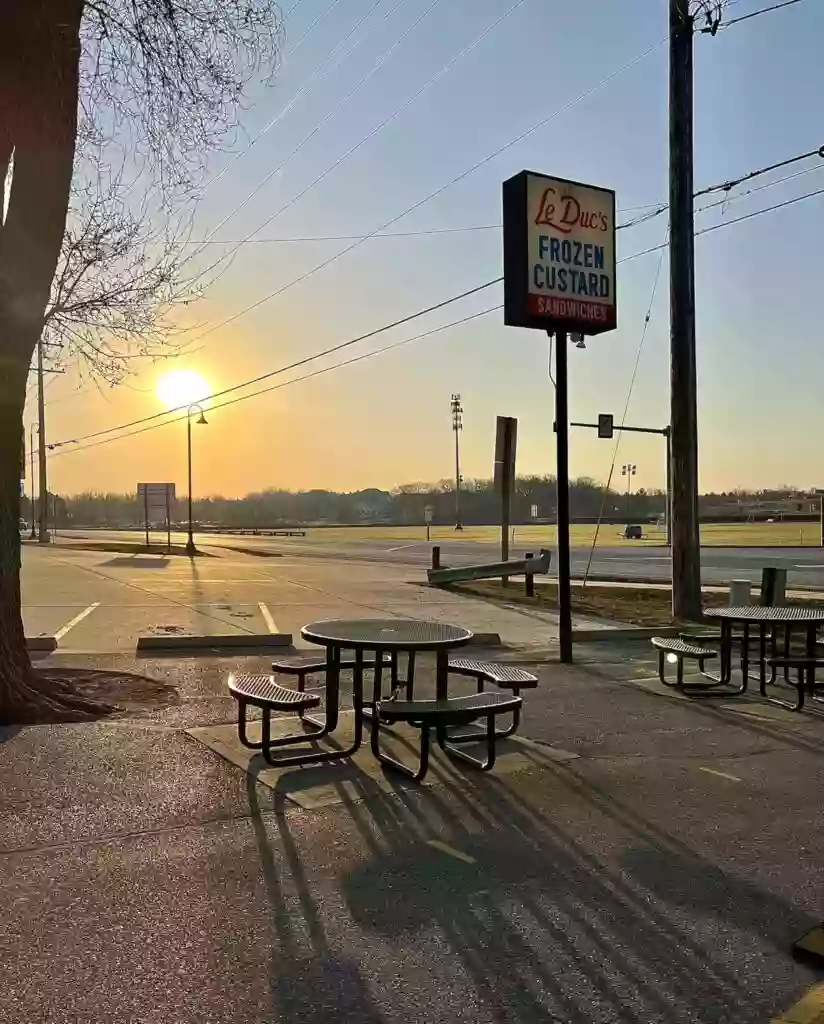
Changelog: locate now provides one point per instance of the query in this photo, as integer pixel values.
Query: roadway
(719, 565)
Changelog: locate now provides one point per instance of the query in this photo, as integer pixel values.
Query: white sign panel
(155, 496)
(428, 513)
(559, 255)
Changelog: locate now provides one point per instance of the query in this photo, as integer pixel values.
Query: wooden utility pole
(686, 548)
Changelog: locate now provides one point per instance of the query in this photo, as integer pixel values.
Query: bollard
(740, 593)
(530, 579)
(773, 586)
(436, 556)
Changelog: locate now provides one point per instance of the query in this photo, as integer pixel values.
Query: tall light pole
(457, 426)
(628, 470)
(190, 543)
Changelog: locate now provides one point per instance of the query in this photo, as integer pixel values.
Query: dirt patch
(115, 694)
(639, 606)
(128, 548)
(256, 552)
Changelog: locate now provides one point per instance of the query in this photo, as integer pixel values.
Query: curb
(588, 636)
(41, 643)
(190, 641)
(485, 640)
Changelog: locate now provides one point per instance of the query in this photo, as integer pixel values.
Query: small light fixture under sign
(577, 340)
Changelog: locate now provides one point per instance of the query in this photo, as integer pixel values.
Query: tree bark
(39, 80)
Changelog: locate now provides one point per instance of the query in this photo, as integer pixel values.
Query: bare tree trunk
(39, 67)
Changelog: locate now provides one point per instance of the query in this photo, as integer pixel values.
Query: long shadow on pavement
(535, 926)
(320, 988)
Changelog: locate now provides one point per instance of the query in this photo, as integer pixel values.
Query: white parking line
(403, 547)
(73, 622)
(267, 617)
(720, 775)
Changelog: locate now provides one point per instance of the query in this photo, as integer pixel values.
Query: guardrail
(530, 566)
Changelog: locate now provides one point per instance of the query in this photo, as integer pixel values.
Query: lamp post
(190, 543)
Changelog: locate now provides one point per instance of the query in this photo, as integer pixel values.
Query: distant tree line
(480, 504)
(405, 505)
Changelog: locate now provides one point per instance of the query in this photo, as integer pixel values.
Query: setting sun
(182, 388)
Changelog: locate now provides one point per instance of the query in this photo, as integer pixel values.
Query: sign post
(157, 501)
(428, 513)
(559, 277)
(506, 439)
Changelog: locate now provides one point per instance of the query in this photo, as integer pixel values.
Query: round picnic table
(764, 617)
(381, 636)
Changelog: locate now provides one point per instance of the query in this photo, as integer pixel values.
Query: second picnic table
(764, 617)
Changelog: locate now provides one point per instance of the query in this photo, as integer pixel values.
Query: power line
(733, 182)
(290, 366)
(755, 14)
(384, 57)
(380, 330)
(370, 135)
(656, 209)
(348, 238)
(617, 445)
(296, 380)
(735, 220)
(315, 23)
(432, 195)
(730, 184)
(327, 67)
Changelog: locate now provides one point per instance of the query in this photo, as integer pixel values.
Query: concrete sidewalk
(659, 876)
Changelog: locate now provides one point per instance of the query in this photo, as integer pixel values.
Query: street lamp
(190, 543)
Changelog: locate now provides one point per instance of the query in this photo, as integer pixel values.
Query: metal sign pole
(168, 522)
(562, 489)
(146, 511)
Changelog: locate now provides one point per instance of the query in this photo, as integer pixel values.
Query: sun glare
(181, 388)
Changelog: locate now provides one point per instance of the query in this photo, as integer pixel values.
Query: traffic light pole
(666, 433)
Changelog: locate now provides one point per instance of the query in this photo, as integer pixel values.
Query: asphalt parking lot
(97, 601)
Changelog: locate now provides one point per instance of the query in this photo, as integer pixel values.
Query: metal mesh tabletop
(385, 634)
(786, 613)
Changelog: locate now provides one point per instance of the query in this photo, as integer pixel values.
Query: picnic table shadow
(599, 919)
(305, 989)
(535, 923)
(693, 883)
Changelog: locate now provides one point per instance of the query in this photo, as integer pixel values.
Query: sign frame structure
(560, 277)
(157, 497)
(428, 516)
(520, 221)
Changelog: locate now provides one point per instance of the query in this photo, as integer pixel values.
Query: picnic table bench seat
(681, 650)
(801, 663)
(505, 677)
(265, 692)
(438, 714)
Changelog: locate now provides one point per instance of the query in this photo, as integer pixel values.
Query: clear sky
(386, 420)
